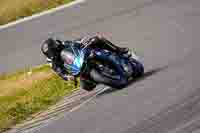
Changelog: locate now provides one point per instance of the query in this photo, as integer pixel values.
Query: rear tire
(139, 68)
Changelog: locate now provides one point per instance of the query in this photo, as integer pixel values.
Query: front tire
(85, 85)
(100, 78)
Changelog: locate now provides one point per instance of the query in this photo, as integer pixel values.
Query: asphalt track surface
(166, 35)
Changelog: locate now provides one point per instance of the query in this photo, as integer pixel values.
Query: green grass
(22, 100)
(11, 10)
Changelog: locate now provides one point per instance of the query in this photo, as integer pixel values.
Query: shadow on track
(146, 75)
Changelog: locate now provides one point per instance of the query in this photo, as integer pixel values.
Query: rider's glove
(68, 77)
(64, 77)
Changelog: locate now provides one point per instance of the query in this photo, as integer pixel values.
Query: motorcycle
(102, 66)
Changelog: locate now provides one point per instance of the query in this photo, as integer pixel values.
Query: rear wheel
(138, 67)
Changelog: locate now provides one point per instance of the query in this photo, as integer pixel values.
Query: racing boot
(120, 50)
(123, 50)
(110, 46)
(116, 48)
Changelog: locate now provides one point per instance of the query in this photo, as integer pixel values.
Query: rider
(52, 48)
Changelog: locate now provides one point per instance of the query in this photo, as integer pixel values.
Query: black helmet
(49, 47)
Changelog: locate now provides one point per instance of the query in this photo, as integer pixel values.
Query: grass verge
(27, 92)
(11, 10)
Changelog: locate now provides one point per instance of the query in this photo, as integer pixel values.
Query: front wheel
(86, 85)
(102, 78)
(107, 70)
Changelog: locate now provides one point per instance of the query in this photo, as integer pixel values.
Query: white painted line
(41, 14)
